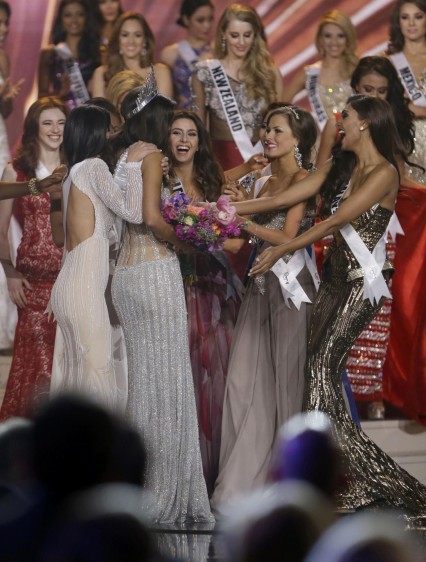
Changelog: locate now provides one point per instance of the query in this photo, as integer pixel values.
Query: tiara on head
(290, 109)
(147, 92)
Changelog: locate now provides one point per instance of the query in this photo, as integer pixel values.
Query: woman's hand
(235, 191)
(139, 150)
(265, 261)
(16, 287)
(53, 183)
(257, 162)
(8, 91)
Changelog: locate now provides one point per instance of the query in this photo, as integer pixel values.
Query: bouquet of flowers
(205, 227)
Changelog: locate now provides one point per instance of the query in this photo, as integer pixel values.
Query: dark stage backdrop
(290, 28)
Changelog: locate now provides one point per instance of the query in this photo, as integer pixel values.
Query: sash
(408, 79)
(372, 263)
(312, 78)
(187, 54)
(287, 273)
(232, 112)
(77, 85)
(178, 187)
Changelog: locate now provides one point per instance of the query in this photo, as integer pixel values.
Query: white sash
(408, 79)
(287, 273)
(320, 114)
(77, 85)
(372, 263)
(232, 112)
(187, 54)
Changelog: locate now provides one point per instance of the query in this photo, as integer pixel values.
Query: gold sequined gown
(340, 314)
(148, 295)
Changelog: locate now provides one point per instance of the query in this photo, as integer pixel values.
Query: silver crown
(147, 92)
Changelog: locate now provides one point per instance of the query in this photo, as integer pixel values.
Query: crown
(147, 92)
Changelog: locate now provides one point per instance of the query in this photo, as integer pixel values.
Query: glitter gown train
(340, 314)
(148, 296)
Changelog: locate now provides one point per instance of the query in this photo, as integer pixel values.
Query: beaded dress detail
(340, 314)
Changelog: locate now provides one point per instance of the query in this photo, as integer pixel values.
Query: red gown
(404, 371)
(39, 260)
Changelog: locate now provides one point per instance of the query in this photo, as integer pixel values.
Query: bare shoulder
(161, 69)
(152, 159)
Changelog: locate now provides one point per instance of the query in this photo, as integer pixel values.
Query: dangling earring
(298, 156)
(223, 44)
(143, 50)
(120, 51)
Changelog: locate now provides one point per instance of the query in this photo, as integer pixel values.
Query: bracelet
(32, 187)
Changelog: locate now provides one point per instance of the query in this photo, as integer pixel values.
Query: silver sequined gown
(265, 380)
(340, 314)
(148, 295)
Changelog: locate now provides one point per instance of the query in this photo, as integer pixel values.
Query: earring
(298, 156)
(361, 128)
(143, 50)
(223, 44)
(120, 51)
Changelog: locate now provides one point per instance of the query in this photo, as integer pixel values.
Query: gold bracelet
(32, 187)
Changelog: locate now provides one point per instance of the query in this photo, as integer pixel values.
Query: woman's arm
(328, 140)
(275, 237)
(298, 192)
(98, 83)
(164, 80)
(279, 85)
(380, 186)
(16, 282)
(169, 55)
(44, 72)
(295, 86)
(200, 98)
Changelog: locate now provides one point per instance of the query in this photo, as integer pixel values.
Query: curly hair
(384, 135)
(396, 38)
(395, 95)
(208, 173)
(258, 67)
(303, 128)
(115, 60)
(88, 45)
(350, 58)
(28, 153)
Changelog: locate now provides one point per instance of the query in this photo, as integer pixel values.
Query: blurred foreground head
(306, 450)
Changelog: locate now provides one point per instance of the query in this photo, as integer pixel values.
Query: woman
(131, 47)
(362, 184)
(106, 13)
(243, 60)
(407, 51)
(196, 16)
(38, 259)
(265, 375)
(244, 67)
(149, 298)
(91, 200)
(66, 66)
(375, 76)
(327, 80)
(212, 292)
(8, 91)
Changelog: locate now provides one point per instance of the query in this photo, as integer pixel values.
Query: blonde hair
(115, 60)
(120, 84)
(258, 67)
(350, 58)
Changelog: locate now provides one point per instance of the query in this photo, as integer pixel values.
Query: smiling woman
(131, 47)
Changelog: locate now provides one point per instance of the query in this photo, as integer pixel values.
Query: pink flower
(225, 212)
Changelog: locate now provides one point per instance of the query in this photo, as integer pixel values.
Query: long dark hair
(396, 38)
(188, 7)
(303, 128)
(384, 135)
(6, 8)
(97, 15)
(28, 152)
(151, 124)
(208, 173)
(85, 135)
(395, 95)
(88, 45)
